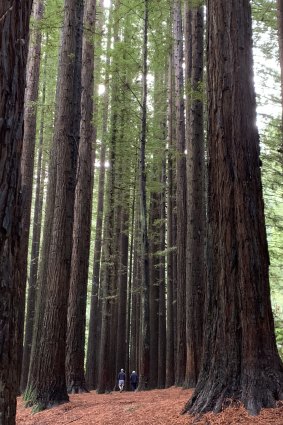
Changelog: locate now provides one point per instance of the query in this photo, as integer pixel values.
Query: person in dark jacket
(121, 379)
(134, 380)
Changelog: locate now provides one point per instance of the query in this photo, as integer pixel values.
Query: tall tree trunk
(130, 284)
(82, 217)
(171, 256)
(135, 302)
(48, 386)
(14, 31)
(122, 287)
(92, 358)
(105, 380)
(36, 233)
(280, 35)
(95, 306)
(153, 285)
(162, 282)
(196, 207)
(240, 360)
(27, 160)
(144, 337)
(180, 195)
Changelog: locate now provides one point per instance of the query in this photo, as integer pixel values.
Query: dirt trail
(158, 407)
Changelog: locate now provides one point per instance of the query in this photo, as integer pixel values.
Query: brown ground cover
(158, 407)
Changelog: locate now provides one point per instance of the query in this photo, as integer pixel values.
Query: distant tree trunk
(95, 306)
(170, 361)
(240, 360)
(36, 233)
(280, 34)
(130, 284)
(122, 288)
(27, 160)
(162, 282)
(135, 302)
(48, 386)
(82, 217)
(92, 358)
(144, 337)
(196, 207)
(180, 195)
(105, 379)
(153, 286)
(116, 256)
(14, 31)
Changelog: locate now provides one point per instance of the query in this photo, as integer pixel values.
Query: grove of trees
(141, 199)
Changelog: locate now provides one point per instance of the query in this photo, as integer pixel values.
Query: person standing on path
(134, 380)
(121, 379)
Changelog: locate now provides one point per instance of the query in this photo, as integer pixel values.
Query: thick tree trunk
(196, 207)
(240, 360)
(181, 202)
(14, 31)
(82, 218)
(27, 160)
(144, 337)
(41, 285)
(48, 386)
(36, 233)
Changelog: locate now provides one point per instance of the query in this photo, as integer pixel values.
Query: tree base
(39, 402)
(254, 394)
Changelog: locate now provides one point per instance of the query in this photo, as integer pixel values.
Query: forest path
(157, 407)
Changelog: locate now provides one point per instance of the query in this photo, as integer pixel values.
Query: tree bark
(14, 32)
(82, 217)
(171, 255)
(27, 160)
(195, 206)
(48, 386)
(121, 347)
(240, 360)
(181, 202)
(36, 233)
(153, 286)
(92, 360)
(162, 281)
(145, 336)
(105, 380)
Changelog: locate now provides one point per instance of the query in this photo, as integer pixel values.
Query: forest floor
(157, 407)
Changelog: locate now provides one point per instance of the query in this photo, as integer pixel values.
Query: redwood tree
(195, 204)
(82, 217)
(27, 160)
(280, 35)
(144, 335)
(14, 31)
(240, 360)
(47, 384)
(181, 203)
